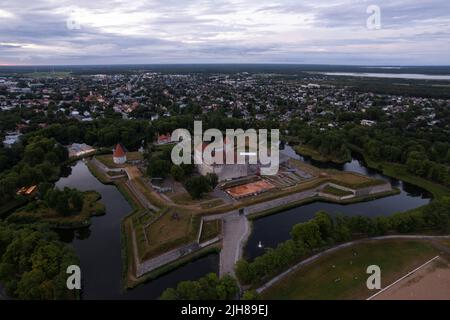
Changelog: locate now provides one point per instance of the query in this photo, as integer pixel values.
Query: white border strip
(405, 276)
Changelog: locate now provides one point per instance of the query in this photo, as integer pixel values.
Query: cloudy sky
(412, 32)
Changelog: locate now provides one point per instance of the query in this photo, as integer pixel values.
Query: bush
(210, 287)
(197, 186)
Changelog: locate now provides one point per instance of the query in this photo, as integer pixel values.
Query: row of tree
(209, 287)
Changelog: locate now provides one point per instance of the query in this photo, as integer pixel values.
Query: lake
(389, 75)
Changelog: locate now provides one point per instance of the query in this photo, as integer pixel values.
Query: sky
(62, 32)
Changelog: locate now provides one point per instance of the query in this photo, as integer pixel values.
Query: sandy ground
(432, 282)
(249, 188)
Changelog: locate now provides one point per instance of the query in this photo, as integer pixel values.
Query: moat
(99, 245)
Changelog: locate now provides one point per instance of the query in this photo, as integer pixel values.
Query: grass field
(176, 227)
(107, 159)
(336, 192)
(210, 230)
(342, 274)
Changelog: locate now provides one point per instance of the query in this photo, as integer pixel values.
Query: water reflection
(99, 246)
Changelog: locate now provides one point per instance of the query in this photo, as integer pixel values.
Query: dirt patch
(251, 188)
(432, 282)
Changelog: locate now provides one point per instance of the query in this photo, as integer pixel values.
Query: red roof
(163, 138)
(118, 151)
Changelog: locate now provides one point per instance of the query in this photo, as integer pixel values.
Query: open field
(336, 192)
(210, 230)
(174, 228)
(342, 274)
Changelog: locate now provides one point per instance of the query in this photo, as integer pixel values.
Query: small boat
(260, 245)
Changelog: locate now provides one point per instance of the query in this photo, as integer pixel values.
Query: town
(120, 130)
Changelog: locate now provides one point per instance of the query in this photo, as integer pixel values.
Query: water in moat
(99, 246)
(271, 230)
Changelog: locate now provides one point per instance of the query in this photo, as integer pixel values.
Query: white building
(11, 138)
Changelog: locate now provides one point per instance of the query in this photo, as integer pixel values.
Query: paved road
(263, 206)
(235, 232)
(165, 258)
(338, 247)
(236, 228)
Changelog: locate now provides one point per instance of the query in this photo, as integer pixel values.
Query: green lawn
(107, 159)
(336, 192)
(210, 230)
(342, 274)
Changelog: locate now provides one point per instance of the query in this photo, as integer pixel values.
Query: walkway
(338, 247)
(235, 233)
(168, 257)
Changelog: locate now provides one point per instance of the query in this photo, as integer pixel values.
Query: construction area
(287, 176)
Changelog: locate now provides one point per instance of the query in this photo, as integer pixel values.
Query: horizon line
(223, 63)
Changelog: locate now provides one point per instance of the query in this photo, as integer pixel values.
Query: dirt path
(431, 281)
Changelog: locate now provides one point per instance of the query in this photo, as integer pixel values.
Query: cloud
(196, 31)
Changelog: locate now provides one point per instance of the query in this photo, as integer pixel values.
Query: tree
(307, 233)
(197, 186)
(177, 172)
(158, 168)
(209, 287)
(77, 200)
(33, 262)
(213, 180)
(244, 272)
(250, 295)
(437, 215)
(325, 223)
